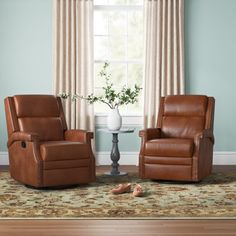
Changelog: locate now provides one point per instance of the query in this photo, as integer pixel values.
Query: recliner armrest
(22, 136)
(78, 135)
(150, 133)
(206, 133)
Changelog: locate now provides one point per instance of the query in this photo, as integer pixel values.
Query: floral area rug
(214, 197)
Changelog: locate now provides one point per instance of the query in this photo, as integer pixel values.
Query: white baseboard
(131, 158)
(224, 158)
(4, 161)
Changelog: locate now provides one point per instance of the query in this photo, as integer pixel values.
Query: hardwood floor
(117, 227)
(120, 227)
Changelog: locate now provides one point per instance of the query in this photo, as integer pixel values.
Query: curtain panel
(164, 54)
(73, 58)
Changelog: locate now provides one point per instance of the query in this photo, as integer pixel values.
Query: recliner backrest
(42, 114)
(183, 116)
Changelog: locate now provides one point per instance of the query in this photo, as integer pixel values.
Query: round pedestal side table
(115, 153)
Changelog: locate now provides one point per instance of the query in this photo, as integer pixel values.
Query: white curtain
(73, 58)
(164, 54)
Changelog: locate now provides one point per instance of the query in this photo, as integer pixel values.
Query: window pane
(100, 2)
(135, 2)
(135, 47)
(117, 48)
(98, 81)
(117, 23)
(117, 2)
(100, 23)
(118, 39)
(100, 47)
(135, 35)
(135, 23)
(118, 74)
(117, 71)
(135, 74)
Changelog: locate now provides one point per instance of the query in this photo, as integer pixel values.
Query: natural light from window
(118, 39)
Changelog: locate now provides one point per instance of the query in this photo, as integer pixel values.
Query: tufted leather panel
(47, 128)
(169, 147)
(39, 114)
(185, 105)
(183, 115)
(36, 106)
(182, 126)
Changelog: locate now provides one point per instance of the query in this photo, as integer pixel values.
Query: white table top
(120, 131)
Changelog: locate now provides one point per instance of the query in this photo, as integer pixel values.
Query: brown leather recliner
(181, 147)
(42, 152)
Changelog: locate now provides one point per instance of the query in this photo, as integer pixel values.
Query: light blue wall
(210, 29)
(25, 51)
(26, 55)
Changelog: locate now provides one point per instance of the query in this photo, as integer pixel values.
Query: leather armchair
(42, 151)
(181, 146)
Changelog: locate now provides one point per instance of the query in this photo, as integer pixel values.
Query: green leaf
(111, 97)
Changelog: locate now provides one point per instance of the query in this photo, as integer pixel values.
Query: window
(118, 39)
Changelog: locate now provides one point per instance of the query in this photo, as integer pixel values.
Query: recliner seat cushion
(169, 147)
(63, 150)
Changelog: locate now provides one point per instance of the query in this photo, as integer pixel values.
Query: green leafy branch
(110, 97)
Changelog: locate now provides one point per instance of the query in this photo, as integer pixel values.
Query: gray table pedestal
(115, 157)
(115, 153)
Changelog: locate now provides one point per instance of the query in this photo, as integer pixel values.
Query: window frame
(129, 118)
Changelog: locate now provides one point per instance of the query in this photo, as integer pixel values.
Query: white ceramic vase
(114, 119)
